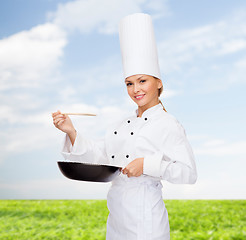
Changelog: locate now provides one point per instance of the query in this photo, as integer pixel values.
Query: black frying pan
(88, 171)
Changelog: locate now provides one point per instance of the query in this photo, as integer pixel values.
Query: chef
(150, 145)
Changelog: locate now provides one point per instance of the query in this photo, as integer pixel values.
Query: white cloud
(232, 46)
(35, 131)
(214, 143)
(90, 15)
(219, 147)
(30, 57)
(106, 75)
(168, 93)
(6, 113)
(57, 188)
(241, 63)
(160, 8)
(211, 187)
(220, 38)
(27, 138)
(210, 57)
(93, 15)
(223, 186)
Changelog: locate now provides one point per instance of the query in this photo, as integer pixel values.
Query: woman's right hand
(63, 122)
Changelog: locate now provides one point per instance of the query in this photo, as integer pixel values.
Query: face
(143, 89)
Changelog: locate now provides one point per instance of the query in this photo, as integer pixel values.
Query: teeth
(137, 97)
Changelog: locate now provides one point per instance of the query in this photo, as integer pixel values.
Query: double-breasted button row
(127, 156)
(115, 132)
(128, 121)
(132, 133)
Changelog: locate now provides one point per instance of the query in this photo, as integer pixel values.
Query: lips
(139, 97)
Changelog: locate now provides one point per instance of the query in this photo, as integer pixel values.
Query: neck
(142, 109)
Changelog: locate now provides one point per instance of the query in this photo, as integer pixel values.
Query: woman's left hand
(134, 168)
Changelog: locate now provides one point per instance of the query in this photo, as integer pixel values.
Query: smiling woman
(144, 90)
(150, 146)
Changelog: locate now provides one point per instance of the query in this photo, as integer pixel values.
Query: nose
(136, 88)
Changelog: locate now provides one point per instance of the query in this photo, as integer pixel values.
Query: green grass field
(83, 219)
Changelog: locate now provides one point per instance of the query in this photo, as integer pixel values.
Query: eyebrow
(137, 78)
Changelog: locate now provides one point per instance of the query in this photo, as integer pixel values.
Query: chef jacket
(136, 207)
(157, 137)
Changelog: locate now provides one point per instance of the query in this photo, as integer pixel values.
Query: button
(127, 156)
(146, 119)
(128, 121)
(113, 156)
(115, 132)
(131, 133)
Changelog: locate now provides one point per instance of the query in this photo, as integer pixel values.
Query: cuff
(78, 148)
(152, 165)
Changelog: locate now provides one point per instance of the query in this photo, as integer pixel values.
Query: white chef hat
(138, 46)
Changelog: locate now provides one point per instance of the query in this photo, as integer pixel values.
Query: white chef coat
(136, 207)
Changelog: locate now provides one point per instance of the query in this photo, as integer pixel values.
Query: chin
(141, 104)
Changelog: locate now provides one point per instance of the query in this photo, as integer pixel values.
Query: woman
(151, 145)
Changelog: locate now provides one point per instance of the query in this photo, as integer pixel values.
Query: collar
(150, 111)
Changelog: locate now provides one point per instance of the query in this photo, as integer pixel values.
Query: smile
(139, 97)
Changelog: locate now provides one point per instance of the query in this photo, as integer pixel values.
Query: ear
(159, 84)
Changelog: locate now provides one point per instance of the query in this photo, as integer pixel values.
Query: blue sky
(66, 55)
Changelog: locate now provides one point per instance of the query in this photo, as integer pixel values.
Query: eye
(143, 80)
(128, 84)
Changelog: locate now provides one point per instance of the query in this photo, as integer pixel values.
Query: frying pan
(89, 171)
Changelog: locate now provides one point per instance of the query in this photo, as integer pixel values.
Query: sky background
(59, 54)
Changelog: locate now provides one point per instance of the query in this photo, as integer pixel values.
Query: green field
(86, 219)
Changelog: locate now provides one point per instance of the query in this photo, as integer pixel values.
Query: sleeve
(84, 150)
(175, 162)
